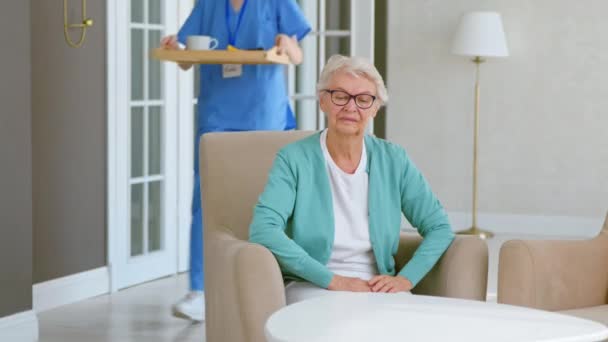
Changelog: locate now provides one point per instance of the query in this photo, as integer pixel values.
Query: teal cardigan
(294, 217)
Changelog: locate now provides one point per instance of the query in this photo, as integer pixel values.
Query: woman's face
(350, 118)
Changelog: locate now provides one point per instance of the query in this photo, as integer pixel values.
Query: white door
(343, 27)
(338, 26)
(142, 144)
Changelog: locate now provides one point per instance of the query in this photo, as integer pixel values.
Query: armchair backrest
(234, 170)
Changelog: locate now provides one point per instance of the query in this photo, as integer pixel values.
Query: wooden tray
(220, 56)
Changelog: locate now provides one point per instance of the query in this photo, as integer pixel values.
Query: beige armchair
(243, 284)
(570, 276)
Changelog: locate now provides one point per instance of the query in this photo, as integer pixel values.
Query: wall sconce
(86, 22)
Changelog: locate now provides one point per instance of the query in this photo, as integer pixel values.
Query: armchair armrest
(462, 271)
(243, 287)
(554, 274)
(260, 286)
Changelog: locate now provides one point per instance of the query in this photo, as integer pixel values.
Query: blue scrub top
(257, 100)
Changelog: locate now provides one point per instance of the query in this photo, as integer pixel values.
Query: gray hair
(357, 67)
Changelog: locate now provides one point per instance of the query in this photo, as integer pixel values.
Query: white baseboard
(22, 326)
(70, 289)
(550, 226)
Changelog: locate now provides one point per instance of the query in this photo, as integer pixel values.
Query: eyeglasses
(341, 98)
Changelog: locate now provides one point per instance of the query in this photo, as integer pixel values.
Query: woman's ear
(323, 101)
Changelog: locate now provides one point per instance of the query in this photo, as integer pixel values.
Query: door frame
(186, 96)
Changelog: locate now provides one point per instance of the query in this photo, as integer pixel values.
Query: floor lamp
(479, 35)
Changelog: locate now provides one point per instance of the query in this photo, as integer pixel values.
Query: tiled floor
(137, 314)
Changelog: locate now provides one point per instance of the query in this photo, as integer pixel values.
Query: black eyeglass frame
(350, 97)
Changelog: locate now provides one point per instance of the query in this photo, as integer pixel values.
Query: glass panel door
(147, 179)
(336, 29)
(144, 225)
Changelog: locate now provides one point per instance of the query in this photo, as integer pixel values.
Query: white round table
(353, 317)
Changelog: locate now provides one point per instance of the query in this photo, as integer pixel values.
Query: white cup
(200, 43)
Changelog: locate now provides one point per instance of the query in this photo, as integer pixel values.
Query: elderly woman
(331, 209)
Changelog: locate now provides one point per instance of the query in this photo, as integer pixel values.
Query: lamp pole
(474, 229)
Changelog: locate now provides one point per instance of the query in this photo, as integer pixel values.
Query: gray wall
(380, 58)
(544, 122)
(69, 138)
(15, 156)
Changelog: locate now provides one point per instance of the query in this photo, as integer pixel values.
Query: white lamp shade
(480, 34)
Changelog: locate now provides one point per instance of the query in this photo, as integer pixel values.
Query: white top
(354, 317)
(352, 254)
